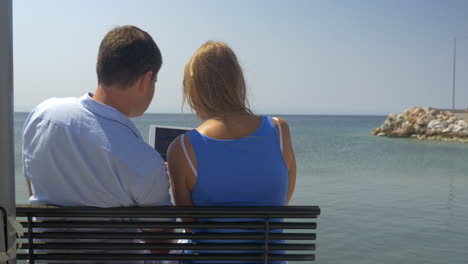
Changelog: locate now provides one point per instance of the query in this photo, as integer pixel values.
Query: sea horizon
(268, 114)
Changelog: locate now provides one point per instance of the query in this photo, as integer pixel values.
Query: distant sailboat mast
(7, 169)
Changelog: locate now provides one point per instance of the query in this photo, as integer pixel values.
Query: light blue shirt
(79, 152)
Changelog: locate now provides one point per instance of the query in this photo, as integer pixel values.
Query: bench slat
(169, 211)
(156, 224)
(101, 257)
(155, 235)
(165, 215)
(153, 246)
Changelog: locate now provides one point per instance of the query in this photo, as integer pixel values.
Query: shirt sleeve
(153, 189)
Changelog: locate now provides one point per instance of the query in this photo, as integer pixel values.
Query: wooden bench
(257, 230)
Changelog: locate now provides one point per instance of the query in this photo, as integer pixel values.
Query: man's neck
(114, 97)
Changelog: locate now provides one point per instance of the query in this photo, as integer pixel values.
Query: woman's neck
(231, 116)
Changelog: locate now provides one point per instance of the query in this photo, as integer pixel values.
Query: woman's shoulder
(278, 122)
(176, 147)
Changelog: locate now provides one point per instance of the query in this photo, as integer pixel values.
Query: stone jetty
(425, 123)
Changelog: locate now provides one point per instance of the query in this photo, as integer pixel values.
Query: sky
(346, 57)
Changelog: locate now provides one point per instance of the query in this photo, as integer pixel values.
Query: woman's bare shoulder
(175, 148)
(284, 125)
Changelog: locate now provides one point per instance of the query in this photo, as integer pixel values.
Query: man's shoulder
(55, 103)
(58, 109)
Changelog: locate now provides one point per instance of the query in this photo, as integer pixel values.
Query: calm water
(383, 200)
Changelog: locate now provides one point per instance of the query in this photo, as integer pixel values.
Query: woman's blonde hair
(214, 83)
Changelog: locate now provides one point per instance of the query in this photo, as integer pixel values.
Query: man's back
(78, 151)
(85, 151)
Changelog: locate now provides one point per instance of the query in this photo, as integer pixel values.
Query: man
(86, 151)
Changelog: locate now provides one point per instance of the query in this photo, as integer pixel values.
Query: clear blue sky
(299, 57)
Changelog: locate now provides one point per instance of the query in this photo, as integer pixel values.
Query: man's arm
(154, 191)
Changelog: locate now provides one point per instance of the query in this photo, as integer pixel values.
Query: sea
(382, 200)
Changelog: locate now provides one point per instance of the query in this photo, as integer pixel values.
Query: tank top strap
(280, 133)
(198, 145)
(187, 157)
(274, 130)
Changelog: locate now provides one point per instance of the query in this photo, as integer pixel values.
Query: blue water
(383, 200)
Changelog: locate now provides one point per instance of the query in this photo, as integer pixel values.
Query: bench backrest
(110, 234)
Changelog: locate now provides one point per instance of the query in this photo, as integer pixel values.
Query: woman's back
(248, 170)
(234, 157)
(243, 171)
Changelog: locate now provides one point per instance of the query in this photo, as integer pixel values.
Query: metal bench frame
(298, 227)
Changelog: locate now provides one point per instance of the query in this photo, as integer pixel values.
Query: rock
(432, 132)
(424, 123)
(459, 134)
(376, 131)
(401, 118)
(425, 119)
(461, 122)
(434, 124)
(421, 137)
(416, 128)
(434, 112)
(423, 130)
(448, 114)
(405, 131)
(448, 129)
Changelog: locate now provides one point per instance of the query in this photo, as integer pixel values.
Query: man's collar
(108, 112)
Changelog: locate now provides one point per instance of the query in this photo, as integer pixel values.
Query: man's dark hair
(125, 54)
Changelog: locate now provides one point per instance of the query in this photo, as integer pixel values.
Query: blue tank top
(249, 171)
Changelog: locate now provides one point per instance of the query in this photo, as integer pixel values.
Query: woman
(234, 157)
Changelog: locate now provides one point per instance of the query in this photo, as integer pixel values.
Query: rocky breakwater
(425, 123)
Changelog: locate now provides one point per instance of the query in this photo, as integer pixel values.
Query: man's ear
(144, 80)
(149, 76)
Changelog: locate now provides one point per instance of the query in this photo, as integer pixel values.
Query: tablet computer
(160, 137)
